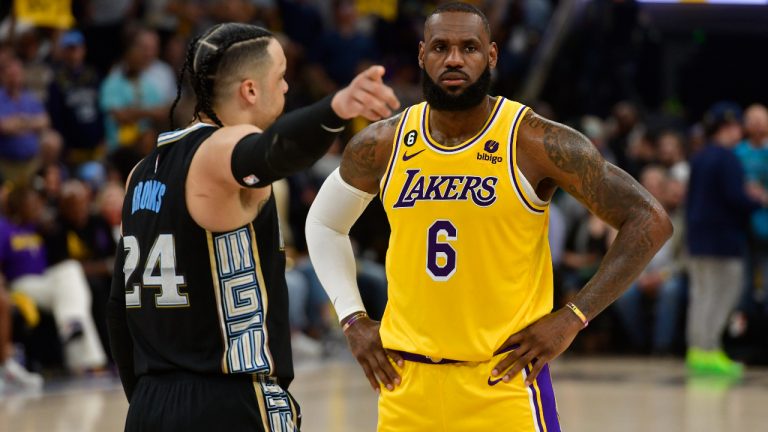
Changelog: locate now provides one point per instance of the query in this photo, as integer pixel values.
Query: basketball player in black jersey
(198, 313)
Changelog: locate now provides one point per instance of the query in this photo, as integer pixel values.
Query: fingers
(386, 373)
(506, 362)
(397, 358)
(537, 367)
(375, 72)
(519, 365)
(514, 341)
(369, 374)
(372, 105)
(378, 369)
(389, 98)
(370, 97)
(381, 92)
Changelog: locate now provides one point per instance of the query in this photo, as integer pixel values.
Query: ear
(493, 55)
(249, 91)
(421, 54)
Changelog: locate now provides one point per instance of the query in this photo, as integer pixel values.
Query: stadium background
(640, 79)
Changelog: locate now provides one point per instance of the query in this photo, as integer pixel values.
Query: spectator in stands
(342, 51)
(157, 72)
(587, 239)
(34, 50)
(132, 103)
(109, 205)
(52, 172)
(73, 102)
(671, 154)
(11, 372)
(594, 129)
(661, 282)
(6, 55)
(753, 153)
(302, 22)
(624, 131)
(87, 238)
(51, 147)
(260, 12)
(105, 21)
(61, 289)
(718, 208)
(22, 119)
(640, 154)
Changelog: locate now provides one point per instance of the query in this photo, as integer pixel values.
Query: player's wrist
(338, 106)
(577, 316)
(330, 117)
(351, 320)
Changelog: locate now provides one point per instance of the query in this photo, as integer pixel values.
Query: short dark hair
(461, 7)
(219, 54)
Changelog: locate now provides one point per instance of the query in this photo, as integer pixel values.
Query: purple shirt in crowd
(24, 146)
(22, 251)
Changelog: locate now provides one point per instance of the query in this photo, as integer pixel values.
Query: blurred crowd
(80, 106)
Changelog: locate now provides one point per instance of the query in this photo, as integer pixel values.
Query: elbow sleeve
(295, 142)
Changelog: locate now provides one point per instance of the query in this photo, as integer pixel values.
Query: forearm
(334, 262)
(336, 208)
(638, 240)
(294, 143)
(39, 122)
(10, 126)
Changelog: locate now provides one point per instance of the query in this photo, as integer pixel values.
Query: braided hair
(217, 58)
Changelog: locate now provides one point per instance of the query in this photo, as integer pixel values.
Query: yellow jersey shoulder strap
(405, 119)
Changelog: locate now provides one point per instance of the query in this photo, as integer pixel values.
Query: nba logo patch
(250, 180)
(491, 146)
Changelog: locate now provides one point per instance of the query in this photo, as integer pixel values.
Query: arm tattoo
(366, 155)
(360, 156)
(616, 198)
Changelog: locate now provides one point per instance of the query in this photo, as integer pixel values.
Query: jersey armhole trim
(166, 138)
(523, 189)
(393, 157)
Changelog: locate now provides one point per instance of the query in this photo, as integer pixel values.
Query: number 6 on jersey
(441, 257)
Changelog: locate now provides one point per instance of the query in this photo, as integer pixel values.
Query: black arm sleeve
(120, 340)
(295, 142)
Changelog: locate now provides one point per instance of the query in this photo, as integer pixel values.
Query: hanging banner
(45, 13)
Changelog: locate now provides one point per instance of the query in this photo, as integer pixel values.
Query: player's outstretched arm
(341, 200)
(568, 160)
(257, 158)
(297, 139)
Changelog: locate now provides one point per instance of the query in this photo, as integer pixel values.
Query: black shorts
(190, 402)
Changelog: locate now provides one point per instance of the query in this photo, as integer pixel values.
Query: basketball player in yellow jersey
(465, 179)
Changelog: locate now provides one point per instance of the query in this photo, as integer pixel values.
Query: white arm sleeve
(336, 208)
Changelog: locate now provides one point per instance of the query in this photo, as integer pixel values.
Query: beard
(441, 100)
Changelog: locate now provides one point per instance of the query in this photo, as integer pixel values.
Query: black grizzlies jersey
(200, 301)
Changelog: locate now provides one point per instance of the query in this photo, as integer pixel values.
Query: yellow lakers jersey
(468, 262)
